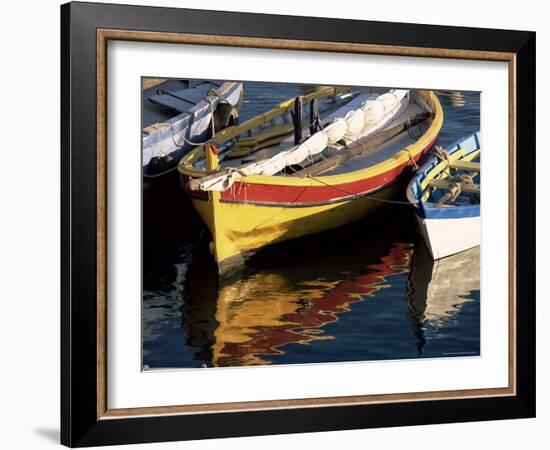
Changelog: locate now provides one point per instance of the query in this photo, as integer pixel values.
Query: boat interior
(467, 196)
(275, 136)
(451, 178)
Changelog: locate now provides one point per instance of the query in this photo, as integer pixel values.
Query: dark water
(368, 291)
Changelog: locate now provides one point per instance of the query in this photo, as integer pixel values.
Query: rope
(211, 93)
(411, 158)
(443, 155)
(452, 194)
(410, 130)
(241, 172)
(188, 141)
(395, 202)
(355, 141)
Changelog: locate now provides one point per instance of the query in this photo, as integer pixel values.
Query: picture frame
(86, 28)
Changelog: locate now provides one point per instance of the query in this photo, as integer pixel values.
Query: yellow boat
(246, 211)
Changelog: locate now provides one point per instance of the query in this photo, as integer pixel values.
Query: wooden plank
(268, 137)
(443, 184)
(466, 165)
(440, 167)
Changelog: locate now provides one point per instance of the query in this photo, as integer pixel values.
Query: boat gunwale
(257, 194)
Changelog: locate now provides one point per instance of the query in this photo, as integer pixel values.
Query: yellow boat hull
(239, 229)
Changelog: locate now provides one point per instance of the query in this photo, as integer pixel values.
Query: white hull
(445, 237)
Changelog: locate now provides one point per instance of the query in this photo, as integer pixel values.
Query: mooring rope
(369, 196)
(211, 93)
(188, 141)
(411, 158)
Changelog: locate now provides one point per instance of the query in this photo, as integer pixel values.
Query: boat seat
(465, 187)
(466, 165)
(266, 138)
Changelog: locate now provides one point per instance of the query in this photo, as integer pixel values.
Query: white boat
(200, 108)
(446, 195)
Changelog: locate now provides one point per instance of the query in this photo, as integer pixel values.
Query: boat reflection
(259, 316)
(250, 320)
(454, 98)
(439, 289)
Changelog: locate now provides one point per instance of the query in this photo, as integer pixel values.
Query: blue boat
(446, 195)
(180, 116)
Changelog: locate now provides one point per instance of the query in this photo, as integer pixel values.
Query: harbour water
(368, 291)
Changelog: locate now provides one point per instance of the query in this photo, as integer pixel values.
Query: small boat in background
(180, 114)
(446, 194)
(337, 171)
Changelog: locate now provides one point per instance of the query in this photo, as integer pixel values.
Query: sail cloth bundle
(356, 124)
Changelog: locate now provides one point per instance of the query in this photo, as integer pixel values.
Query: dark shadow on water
(169, 221)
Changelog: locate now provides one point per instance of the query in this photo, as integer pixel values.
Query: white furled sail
(359, 123)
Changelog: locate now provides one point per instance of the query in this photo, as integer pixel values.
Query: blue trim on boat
(447, 212)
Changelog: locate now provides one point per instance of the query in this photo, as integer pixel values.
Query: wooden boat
(176, 118)
(342, 171)
(446, 194)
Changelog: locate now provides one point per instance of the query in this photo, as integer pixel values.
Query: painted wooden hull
(240, 229)
(259, 211)
(175, 136)
(446, 237)
(448, 229)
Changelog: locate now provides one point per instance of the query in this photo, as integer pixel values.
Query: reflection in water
(439, 289)
(455, 98)
(359, 295)
(290, 294)
(356, 296)
(260, 315)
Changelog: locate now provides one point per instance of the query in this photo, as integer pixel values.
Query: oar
(361, 146)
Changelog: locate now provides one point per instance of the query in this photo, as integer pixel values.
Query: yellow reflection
(259, 315)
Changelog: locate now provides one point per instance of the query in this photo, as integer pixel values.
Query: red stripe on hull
(244, 192)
